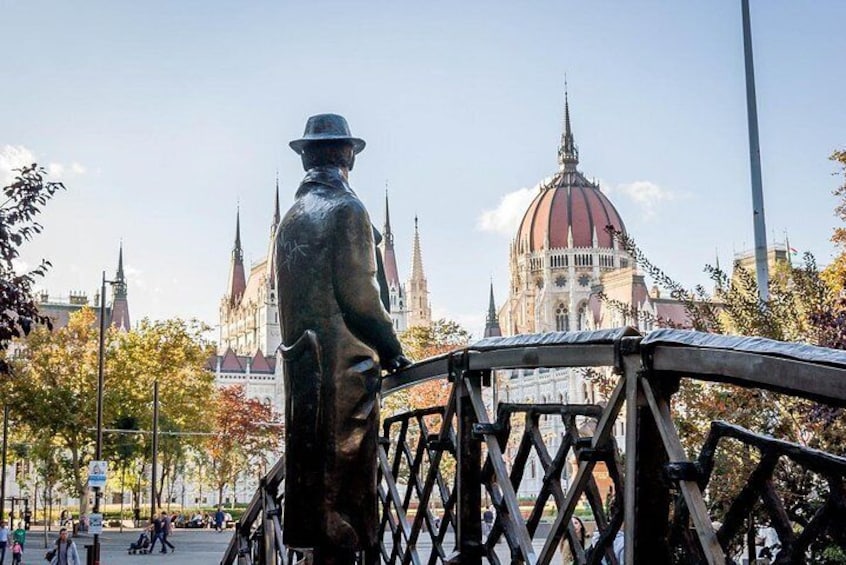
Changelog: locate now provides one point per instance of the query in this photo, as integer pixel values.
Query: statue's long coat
(326, 267)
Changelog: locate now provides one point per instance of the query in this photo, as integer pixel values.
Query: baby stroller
(141, 545)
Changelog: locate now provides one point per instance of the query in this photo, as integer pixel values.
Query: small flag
(793, 251)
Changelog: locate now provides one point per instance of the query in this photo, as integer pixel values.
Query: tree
(244, 429)
(804, 305)
(55, 395)
(174, 353)
(23, 201)
(422, 342)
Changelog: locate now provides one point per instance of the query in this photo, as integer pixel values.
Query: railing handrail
(801, 370)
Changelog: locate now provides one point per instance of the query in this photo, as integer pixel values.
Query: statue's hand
(397, 363)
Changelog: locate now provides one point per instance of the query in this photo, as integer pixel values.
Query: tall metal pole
(153, 472)
(98, 450)
(761, 268)
(3, 463)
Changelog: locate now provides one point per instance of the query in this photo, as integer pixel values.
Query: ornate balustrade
(438, 464)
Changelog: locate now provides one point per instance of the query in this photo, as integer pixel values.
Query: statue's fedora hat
(326, 127)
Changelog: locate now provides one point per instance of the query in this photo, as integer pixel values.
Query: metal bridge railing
(436, 464)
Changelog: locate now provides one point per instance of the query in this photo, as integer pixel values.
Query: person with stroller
(141, 544)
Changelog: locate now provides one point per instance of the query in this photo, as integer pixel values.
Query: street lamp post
(3, 476)
(98, 450)
(153, 470)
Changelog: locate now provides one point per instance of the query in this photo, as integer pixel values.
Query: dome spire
(568, 153)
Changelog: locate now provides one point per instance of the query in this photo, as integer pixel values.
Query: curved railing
(440, 466)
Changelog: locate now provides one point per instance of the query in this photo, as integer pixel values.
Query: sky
(162, 118)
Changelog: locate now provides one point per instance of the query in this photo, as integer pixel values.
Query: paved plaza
(193, 547)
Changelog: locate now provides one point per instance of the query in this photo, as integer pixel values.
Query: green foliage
(54, 395)
(420, 342)
(244, 433)
(20, 203)
(804, 305)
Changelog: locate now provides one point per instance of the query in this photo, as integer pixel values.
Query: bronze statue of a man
(337, 339)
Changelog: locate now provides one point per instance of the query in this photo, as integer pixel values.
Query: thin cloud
(14, 157)
(505, 218)
(645, 194)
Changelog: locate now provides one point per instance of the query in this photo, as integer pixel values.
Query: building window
(581, 319)
(562, 319)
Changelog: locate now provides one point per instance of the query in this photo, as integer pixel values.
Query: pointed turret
(390, 258)
(120, 305)
(568, 153)
(416, 255)
(492, 328)
(270, 270)
(417, 290)
(277, 217)
(237, 279)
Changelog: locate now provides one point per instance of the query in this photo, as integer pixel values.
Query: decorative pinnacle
(492, 318)
(568, 153)
(276, 215)
(389, 236)
(237, 250)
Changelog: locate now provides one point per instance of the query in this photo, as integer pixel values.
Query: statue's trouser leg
(350, 477)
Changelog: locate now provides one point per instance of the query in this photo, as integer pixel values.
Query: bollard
(89, 554)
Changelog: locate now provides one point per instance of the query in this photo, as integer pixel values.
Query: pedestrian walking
(167, 527)
(65, 552)
(17, 550)
(218, 521)
(19, 535)
(488, 520)
(4, 540)
(155, 534)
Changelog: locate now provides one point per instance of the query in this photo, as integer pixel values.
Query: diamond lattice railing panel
(759, 506)
(524, 430)
(416, 484)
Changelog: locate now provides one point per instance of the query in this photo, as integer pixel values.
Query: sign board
(97, 474)
(95, 523)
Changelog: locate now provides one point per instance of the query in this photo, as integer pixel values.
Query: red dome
(568, 202)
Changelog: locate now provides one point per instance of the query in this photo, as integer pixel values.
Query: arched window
(581, 319)
(562, 319)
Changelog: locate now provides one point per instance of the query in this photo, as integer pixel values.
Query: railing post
(269, 538)
(468, 468)
(652, 488)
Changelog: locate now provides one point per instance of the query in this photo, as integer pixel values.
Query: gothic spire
(277, 217)
(416, 255)
(492, 328)
(119, 286)
(389, 235)
(237, 250)
(237, 279)
(120, 306)
(389, 256)
(568, 153)
(417, 289)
